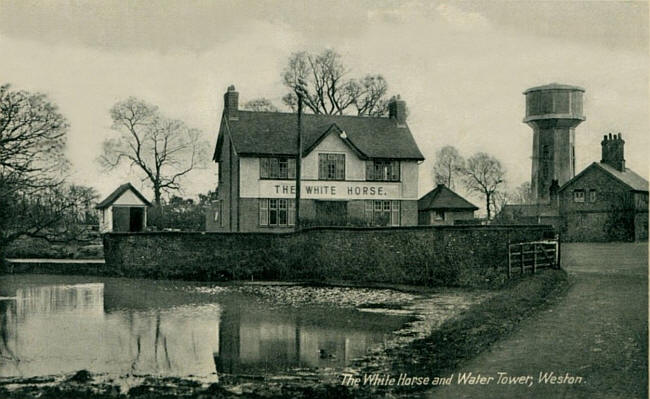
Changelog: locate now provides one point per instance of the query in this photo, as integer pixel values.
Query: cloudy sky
(461, 66)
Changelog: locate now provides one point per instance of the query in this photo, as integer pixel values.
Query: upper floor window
(592, 195)
(331, 166)
(278, 168)
(382, 170)
(579, 196)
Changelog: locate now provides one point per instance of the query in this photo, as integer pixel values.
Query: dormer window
(331, 166)
(382, 170)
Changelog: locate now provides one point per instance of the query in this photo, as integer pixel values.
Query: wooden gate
(533, 255)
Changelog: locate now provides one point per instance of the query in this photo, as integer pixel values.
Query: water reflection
(121, 326)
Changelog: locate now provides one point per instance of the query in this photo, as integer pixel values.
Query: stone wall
(427, 255)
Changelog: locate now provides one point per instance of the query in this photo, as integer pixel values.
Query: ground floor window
(382, 213)
(277, 212)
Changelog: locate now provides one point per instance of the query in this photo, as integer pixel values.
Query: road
(598, 331)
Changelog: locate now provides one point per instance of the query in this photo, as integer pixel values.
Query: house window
(218, 213)
(592, 195)
(278, 168)
(439, 215)
(331, 166)
(382, 213)
(382, 170)
(579, 196)
(277, 212)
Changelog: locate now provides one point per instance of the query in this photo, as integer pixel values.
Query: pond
(61, 324)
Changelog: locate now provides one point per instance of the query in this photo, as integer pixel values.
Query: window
(592, 195)
(218, 216)
(278, 168)
(331, 166)
(382, 213)
(382, 170)
(277, 212)
(579, 196)
(439, 215)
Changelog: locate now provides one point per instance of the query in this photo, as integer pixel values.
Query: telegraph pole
(301, 91)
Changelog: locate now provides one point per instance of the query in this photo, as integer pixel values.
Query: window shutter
(369, 166)
(264, 211)
(292, 213)
(395, 213)
(368, 212)
(292, 168)
(264, 168)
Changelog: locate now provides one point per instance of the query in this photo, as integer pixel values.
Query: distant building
(355, 170)
(606, 201)
(442, 206)
(124, 210)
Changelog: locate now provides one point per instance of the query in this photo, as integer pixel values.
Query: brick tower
(553, 111)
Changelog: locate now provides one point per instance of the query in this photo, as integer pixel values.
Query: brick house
(355, 170)
(606, 201)
(442, 206)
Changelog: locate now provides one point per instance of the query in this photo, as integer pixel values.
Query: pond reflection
(61, 324)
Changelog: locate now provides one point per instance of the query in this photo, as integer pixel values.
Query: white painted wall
(251, 186)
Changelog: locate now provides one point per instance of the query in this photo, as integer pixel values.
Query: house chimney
(397, 110)
(231, 102)
(613, 152)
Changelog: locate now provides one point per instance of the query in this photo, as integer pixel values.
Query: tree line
(480, 174)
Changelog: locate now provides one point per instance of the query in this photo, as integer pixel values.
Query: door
(136, 219)
(331, 213)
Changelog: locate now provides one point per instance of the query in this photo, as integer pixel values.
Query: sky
(460, 66)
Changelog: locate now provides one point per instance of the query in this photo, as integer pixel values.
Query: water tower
(553, 111)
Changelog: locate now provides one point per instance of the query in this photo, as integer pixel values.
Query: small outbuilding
(124, 210)
(442, 206)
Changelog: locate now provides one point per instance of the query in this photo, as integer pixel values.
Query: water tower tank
(553, 111)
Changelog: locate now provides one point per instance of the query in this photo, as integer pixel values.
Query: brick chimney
(397, 110)
(613, 151)
(231, 102)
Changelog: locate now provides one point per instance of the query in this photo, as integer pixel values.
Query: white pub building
(357, 171)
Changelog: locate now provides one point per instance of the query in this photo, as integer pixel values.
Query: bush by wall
(427, 255)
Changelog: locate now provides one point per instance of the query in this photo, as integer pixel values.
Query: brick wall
(431, 255)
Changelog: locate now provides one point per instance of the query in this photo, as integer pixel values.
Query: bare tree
(448, 167)
(483, 175)
(260, 105)
(522, 194)
(33, 196)
(165, 150)
(329, 89)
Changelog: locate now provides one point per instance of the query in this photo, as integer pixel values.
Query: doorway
(331, 213)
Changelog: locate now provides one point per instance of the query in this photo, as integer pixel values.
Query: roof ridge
(316, 115)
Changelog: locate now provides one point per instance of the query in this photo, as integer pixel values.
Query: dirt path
(598, 331)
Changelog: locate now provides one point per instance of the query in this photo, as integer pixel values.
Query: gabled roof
(274, 133)
(108, 201)
(442, 197)
(628, 177)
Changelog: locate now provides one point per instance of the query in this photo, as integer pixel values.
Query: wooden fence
(533, 255)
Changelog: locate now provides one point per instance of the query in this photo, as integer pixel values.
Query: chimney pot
(231, 102)
(397, 110)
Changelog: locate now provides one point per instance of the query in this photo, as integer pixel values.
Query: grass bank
(446, 349)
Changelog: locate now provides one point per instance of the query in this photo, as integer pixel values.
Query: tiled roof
(108, 201)
(442, 197)
(274, 133)
(627, 177)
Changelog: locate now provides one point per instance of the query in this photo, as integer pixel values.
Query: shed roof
(443, 198)
(112, 197)
(274, 133)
